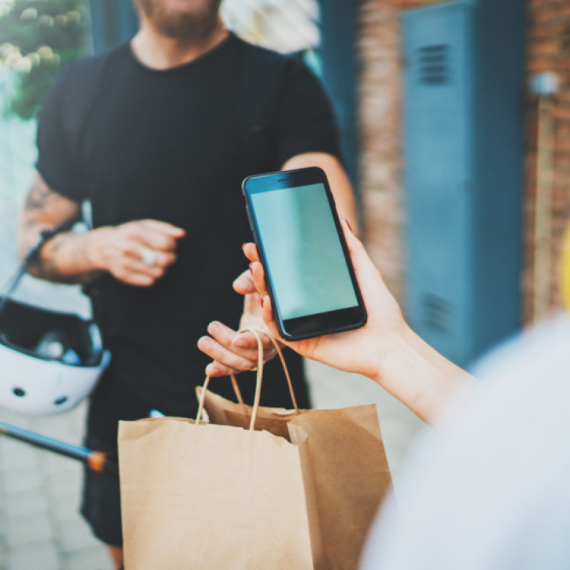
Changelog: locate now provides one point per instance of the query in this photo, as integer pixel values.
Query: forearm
(338, 180)
(420, 377)
(65, 258)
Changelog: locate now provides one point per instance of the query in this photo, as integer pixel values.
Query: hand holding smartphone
(301, 245)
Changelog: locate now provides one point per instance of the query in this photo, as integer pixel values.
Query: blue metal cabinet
(462, 173)
(339, 39)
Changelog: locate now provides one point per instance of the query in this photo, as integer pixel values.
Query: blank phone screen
(303, 252)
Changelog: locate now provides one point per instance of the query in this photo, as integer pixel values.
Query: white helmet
(49, 361)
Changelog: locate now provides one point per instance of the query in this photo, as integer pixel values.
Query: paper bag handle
(255, 332)
(260, 364)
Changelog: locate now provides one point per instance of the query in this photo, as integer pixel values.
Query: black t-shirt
(166, 145)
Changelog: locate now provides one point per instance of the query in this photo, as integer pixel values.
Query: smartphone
(301, 245)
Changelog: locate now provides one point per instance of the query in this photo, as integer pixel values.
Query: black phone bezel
(318, 324)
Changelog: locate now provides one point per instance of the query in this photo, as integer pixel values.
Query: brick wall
(380, 118)
(548, 49)
(380, 96)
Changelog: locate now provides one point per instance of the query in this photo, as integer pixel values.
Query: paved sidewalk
(40, 528)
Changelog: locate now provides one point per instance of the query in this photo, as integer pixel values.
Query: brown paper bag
(298, 492)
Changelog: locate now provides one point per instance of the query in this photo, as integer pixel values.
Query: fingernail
(349, 226)
(243, 247)
(212, 327)
(240, 343)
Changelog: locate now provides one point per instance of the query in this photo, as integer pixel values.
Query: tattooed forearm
(64, 257)
(39, 196)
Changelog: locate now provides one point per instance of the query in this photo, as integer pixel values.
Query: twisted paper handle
(260, 363)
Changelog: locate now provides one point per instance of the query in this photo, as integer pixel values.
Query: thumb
(244, 284)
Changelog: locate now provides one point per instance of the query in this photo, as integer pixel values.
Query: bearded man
(151, 135)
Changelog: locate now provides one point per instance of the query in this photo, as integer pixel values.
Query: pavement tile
(29, 529)
(16, 419)
(16, 480)
(95, 558)
(40, 556)
(76, 535)
(3, 557)
(25, 503)
(10, 446)
(56, 465)
(65, 485)
(65, 508)
(2, 515)
(20, 456)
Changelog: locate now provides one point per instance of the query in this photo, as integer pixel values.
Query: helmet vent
(61, 400)
(19, 392)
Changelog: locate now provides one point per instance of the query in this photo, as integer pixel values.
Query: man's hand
(136, 253)
(234, 352)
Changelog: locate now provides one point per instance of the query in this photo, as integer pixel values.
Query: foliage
(38, 38)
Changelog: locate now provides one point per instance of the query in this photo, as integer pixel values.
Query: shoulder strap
(261, 73)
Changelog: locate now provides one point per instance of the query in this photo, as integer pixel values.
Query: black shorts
(112, 403)
(101, 505)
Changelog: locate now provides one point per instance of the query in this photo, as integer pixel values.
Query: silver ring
(149, 256)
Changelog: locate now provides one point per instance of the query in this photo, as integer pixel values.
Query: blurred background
(455, 122)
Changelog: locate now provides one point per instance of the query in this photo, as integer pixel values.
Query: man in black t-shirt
(156, 144)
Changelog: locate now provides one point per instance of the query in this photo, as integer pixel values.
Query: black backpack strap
(260, 80)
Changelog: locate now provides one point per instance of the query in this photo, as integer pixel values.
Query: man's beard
(196, 25)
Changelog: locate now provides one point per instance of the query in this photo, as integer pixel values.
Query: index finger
(258, 274)
(250, 250)
(165, 227)
(247, 340)
(154, 239)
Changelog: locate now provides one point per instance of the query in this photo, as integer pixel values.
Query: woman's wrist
(393, 354)
(419, 376)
